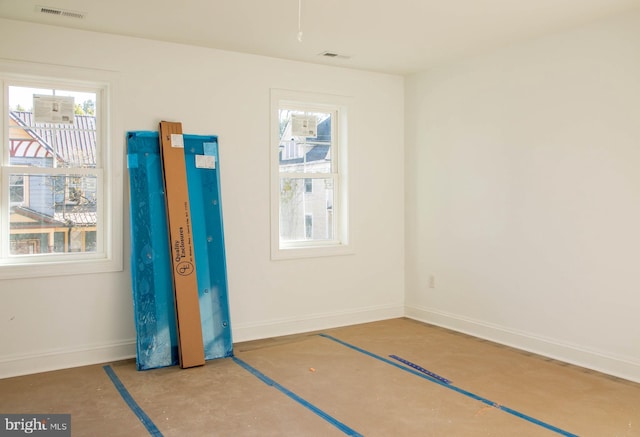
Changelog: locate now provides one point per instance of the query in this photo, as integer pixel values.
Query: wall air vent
(60, 12)
(334, 55)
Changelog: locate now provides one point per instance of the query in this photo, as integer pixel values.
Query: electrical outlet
(432, 281)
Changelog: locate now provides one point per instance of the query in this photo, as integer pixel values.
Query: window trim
(342, 244)
(109, 257)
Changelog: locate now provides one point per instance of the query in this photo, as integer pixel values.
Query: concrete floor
(341, 383)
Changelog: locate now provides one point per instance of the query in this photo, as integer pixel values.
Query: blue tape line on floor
(454, 388)
(264, 378)
(133, 405)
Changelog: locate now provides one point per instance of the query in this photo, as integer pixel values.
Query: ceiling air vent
(334, 55)
(60, 12)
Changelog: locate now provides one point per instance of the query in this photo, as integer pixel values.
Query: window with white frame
(57, 208)
(309, 185)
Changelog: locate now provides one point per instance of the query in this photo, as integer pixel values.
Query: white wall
(49, 323)
(523, 199)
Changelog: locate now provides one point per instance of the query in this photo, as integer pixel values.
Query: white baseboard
(612, 365)
(606, 363)
(64, 359)
(314, 322)
(45, 361)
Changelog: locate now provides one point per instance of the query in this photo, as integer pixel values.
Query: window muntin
(309, 183)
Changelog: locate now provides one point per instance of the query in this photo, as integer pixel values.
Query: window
(309, 187)
(58, 194)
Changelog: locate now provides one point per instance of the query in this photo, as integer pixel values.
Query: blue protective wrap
(152, 282)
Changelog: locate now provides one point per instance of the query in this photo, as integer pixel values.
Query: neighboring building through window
(16, 189)
(44, 152)
(308, 176)
(308, 226)
(54, 173)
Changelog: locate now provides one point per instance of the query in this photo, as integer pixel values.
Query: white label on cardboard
(177, 141)
(205, 161)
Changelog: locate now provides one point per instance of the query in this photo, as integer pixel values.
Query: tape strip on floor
(454, 388)
(133, 405)
(264, 378)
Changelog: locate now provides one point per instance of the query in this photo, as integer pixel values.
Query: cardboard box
(191, 347)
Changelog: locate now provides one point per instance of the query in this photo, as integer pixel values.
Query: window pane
(306, 215)
(16, 189)
(305, 142)
(52, 128)
(57, 214)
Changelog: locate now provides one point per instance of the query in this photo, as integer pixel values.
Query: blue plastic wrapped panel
(152, 283)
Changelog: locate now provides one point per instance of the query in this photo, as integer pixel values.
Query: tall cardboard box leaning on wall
(190, 343)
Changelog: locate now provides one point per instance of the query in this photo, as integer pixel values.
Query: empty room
(305, 217)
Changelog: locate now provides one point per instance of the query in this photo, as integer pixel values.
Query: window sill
(308, 251)
(10, 270)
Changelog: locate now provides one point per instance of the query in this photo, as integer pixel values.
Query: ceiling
(393, 36)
